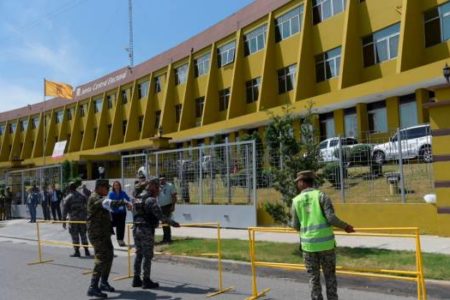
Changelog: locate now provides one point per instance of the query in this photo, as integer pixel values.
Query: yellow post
(38, 236)
(252, 262)
(420, 266)
(129, 250)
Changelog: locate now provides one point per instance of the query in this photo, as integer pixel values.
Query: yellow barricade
(217, 254)
(41, 242)
(407, 232)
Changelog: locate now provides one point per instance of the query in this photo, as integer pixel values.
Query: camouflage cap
(72, 184)
(102, 182)
(152, 179)
(305, 175)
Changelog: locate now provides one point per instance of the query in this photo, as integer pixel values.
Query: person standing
(146, 218)
(55, 202)
(45, 203)
(75, 205)
(8, 203)
(2, 205)
(166, 199)
(99, 232)
(119, 214)
(313, 215)
(33, 199)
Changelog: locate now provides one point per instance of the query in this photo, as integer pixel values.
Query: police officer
(75, 205)
(146, 218)
(313, 215)
(99, 231)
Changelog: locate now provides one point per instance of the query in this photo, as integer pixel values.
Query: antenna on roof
(130, 28)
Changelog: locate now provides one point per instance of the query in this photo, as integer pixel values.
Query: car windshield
(323, 144)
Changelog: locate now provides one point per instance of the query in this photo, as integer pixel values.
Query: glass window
(286, 79)
(202, 65)
(323, 145)
(252, 89)
(333, 143)
(178, 113)
(408, 111)
(181, 74)
(157, 119)
(158, 81)
(381, 45)
(98, 105)
(324, 9)
(327, 126)
(224, 99)
(24, 125)
(377, 117)
(199, 103)
(328, 64)
(110, 100)
(416, 133)
(69, 113)
(124, 127)
(35, 122)
(288, 24)
(225, 54)
(140, 123)
(437, 25)
(12, 127)
(124, 96)
(2, 129)
(350, 122)
(255, 40)
(59, 116)
(143, 89)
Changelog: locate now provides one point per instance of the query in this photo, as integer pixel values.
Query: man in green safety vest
(313, 215)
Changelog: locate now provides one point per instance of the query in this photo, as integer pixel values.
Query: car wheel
(426, 155)
(379, 157)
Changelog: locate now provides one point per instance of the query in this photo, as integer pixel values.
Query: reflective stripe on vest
(315, 234)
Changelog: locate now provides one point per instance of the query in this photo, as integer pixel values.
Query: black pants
(56, 209)
(167, 212)
(118, 221)
(45, 211)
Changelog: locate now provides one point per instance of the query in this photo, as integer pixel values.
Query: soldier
(2, 205)
(8, 202)
(75, 205)
(146, 219)
(313, 215)
(99, 231)
(139, 185)
(167, 199)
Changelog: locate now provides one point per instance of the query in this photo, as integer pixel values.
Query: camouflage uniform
(75, 205)
(99, 232)
(324, 259)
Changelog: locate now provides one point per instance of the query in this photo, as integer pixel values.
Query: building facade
(369, 67)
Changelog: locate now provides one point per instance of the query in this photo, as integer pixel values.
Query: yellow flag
(57, 89)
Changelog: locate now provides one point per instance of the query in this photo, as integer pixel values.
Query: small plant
(332, 173)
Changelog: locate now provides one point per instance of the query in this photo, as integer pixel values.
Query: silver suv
(415, 143)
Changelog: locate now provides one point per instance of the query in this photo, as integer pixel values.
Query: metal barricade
(410, 232)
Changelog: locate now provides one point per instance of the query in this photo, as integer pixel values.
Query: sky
(76, 41)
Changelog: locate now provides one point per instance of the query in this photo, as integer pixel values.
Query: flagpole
(43, 128)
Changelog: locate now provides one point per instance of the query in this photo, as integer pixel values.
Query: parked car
(329, 146)
(415, 143)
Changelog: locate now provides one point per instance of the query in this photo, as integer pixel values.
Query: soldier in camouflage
(99, 231)
(75, 205)
(147, 215)
(313, 215)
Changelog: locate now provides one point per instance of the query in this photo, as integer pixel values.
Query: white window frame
(375, 42)
(254, 35)
(202, 64)
(333, 13)
(441, 17)
(181, 74)
(224, 98)
(229, 51)
(330, 60)
(280, 22)
(98, 105)
(59, 116)
(255, 83)
(287, 72)
(143, 92)
(199, 101)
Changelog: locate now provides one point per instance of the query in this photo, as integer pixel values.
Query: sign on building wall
(58, 150)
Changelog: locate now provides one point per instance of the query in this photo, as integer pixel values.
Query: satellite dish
(430, 198)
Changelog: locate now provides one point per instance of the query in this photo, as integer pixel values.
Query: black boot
(137, 282)
(147, 283)
(94, 291)
(86, 251)
(76, 253)
(104, 286)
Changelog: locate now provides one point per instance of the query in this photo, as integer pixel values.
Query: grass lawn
(435, 265)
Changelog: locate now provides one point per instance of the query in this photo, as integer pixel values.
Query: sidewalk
(432, 244)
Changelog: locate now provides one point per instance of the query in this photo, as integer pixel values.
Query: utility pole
(130, 37)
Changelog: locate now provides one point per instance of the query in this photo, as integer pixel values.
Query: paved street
(62, 279)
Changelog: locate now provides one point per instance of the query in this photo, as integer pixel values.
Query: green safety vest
(315, 233)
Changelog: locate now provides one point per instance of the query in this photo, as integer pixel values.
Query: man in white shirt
(166, 200)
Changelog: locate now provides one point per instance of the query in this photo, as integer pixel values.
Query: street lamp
(446, 72)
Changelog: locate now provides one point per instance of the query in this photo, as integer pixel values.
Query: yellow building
(369, 66)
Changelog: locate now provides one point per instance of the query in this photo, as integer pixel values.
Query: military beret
(102, 182)
(72, 183)
(305, 175)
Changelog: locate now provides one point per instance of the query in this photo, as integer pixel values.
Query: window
(417, 132)
(178, 113)
(328, 64)
(12, 127)
(202, 65)
(350, 122)
(24, 125)
(110, 100)
(323, 145)
(109, 129)
(286, 79)
(324, 9)
(327, 126)
(97, 105)
(157, 118)
(381, 46)
(225, 54)
(82, 110)
(143, 89)
(377, 117)
(224, 99)
(408, 111)
(124, 127)
(252, 89)
(181, 74)
(199, 103)
(349, 142)
(140, 123)
(2, 129)
(35, 122)
(255, 40)
(158, 81)
(124, 96)
(437, 25)
(69, 113)
(59, 116)
(288, 24)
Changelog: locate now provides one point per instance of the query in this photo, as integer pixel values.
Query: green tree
(289, 155)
